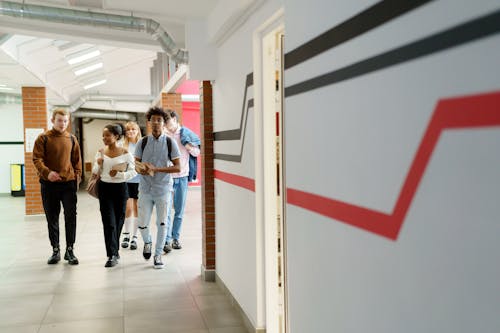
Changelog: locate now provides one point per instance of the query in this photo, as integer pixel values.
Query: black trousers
(53, 194)
(112, 202)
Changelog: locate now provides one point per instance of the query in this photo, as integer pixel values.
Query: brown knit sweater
(57, 155)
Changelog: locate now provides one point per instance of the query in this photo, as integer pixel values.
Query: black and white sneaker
(133, 243)
(167, 248)
(158, 264)
(146, 253)
(125, 241)
(176, 244)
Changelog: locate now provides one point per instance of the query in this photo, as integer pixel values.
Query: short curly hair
(157, 111)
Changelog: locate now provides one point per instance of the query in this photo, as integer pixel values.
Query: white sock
(135, 226)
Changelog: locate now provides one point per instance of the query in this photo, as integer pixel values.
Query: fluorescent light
(6, 88)
(78, 57)
(88, 69)
(2, 85)
(94, 84)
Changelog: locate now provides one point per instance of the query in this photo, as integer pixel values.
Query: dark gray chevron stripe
(370, 18)
(237, 158)
(235, 134)
(458, 35)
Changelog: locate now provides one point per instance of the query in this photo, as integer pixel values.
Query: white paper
(30, 136)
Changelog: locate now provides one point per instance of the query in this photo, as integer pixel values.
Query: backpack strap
(144, 142)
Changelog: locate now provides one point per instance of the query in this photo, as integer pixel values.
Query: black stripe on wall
(11, 142)
(237, 158)
(461, 34)
(370, 18)
(235, 134)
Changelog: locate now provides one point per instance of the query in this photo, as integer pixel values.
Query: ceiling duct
(113, 115)
(111, 21)
(109, 98)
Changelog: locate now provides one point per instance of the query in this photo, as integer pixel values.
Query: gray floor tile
(131, 297)
(101, 325)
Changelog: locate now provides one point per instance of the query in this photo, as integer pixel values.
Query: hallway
(131, 297)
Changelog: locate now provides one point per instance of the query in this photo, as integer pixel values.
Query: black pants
(53, 194)
(112, 202)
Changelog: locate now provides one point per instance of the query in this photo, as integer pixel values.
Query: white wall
(11, 130)
(92, 137)
(354, 142)
(236, 231)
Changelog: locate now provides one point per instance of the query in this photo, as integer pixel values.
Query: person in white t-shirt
(116, 166)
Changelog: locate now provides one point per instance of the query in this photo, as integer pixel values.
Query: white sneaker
(158, 264)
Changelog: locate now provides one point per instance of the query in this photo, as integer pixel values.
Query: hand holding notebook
(120, 166)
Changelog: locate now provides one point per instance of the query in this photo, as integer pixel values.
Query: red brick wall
(173, 102)
(207, 176)
(34, 116)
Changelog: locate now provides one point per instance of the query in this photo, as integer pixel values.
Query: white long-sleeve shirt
(107, 164)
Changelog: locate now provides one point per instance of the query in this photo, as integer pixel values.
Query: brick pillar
(34, 116)
(207, 182)
(173, 102)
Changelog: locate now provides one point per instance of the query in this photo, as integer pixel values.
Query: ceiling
(35, 52)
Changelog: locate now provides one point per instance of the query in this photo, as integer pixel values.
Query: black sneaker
(55, 257)
(176, 244)
(112, 261)
(133, 243)
(70, 256)
(125, 241)
(146, 253)
(167, 248)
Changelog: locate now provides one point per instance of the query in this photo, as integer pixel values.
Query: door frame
(266, 179)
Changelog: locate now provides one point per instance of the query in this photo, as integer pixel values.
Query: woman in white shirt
(130, 227)
(116, 166)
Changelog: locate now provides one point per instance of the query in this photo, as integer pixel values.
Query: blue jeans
(145, 205)
(180, 193)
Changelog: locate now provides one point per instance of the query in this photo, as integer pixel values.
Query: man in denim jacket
(188, 143)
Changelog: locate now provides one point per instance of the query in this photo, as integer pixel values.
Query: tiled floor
(131, 297)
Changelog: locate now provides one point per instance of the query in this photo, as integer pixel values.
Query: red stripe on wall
(462, 112)
(240, 181)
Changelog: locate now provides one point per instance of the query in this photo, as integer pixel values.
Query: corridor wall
(392, 133)
(11, 142)
(237, 263)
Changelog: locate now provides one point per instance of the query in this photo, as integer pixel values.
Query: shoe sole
(158, 266)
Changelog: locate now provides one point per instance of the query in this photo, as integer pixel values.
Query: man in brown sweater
(56, 156)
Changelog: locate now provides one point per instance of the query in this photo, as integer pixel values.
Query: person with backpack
(157, 157)
(189, 146)
(57, 159)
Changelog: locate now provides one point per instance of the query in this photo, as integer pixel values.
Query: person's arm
(39, 157)
(98, 160)
(127, 174)
(76, 161)
(192, 150)
(175, 168)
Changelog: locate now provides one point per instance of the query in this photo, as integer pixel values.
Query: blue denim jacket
(188, 136)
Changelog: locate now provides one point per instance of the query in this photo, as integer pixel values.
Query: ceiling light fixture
(6, 88)
(78, 57)
(88, 68)
(94, 84)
